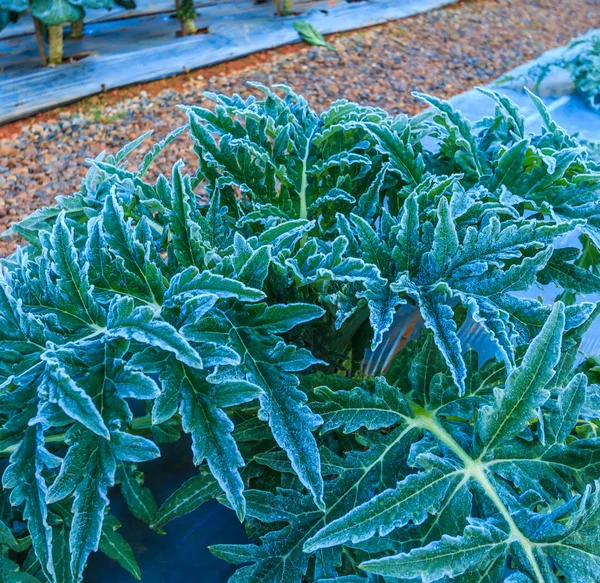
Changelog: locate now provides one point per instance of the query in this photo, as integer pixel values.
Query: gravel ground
(443, 53)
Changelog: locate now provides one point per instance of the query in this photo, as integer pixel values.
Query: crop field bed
(144, 46)
(444, 52)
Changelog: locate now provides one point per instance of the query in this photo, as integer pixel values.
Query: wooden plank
(159, 54)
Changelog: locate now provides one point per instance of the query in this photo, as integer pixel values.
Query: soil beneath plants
(444, 52)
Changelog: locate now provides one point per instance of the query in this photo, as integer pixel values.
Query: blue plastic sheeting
(556, 89)
(181, 555)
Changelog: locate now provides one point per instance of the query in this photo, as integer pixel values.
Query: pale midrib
(74, 282)
(138, 424)
(476, 469)
(443, 509)
(274, 404)
(304, 180)
(534, 375)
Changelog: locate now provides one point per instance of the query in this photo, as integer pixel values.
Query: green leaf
(411, 501)
(187, 242)
(561, 421)
(291, 421)
(10, 573)
(56, 12)
(310, 34)
(211, 429)
(401, 154)
(72, 399)
(192, 494)
(525, 387)
(439, 317)
(73, 286)
(115, 547)
(132, 448)
(459, 140)
(281, 318)
(567, 275)
(140, 324)
(445, 238)
(449, 557)
(139, 499)
(381, 406)
(406, 250)
(89, 504)
(24, 476)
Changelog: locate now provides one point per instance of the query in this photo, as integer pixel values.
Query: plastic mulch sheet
(123, 51)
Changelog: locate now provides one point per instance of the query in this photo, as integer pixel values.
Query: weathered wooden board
(141, 49)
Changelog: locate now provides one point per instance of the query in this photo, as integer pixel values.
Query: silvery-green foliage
(138, 312)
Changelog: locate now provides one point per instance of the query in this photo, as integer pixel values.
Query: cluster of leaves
(7, 17)
(138, 313)
(186, 10)
(584, 66)
(581, 58)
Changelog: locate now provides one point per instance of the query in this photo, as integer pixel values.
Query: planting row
(239, 301)
(52, 17)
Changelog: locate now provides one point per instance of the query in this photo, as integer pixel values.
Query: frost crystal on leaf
(243, 301)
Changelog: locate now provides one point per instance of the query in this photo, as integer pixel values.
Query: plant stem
(59, 438)
(77, 29)
(186, 13)
(190, 26)
(55, 40)
(137, 424)
(40, 41)
(140, 423)
(304, 179)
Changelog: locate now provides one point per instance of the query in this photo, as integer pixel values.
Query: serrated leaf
(24, 476)
(211, 429)
(192, 494)
(89, 504)
(72, 399)
(140, 324)
(449, 557)
(411, 500)
(139, 499)
(114, 546)
(525, 386)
